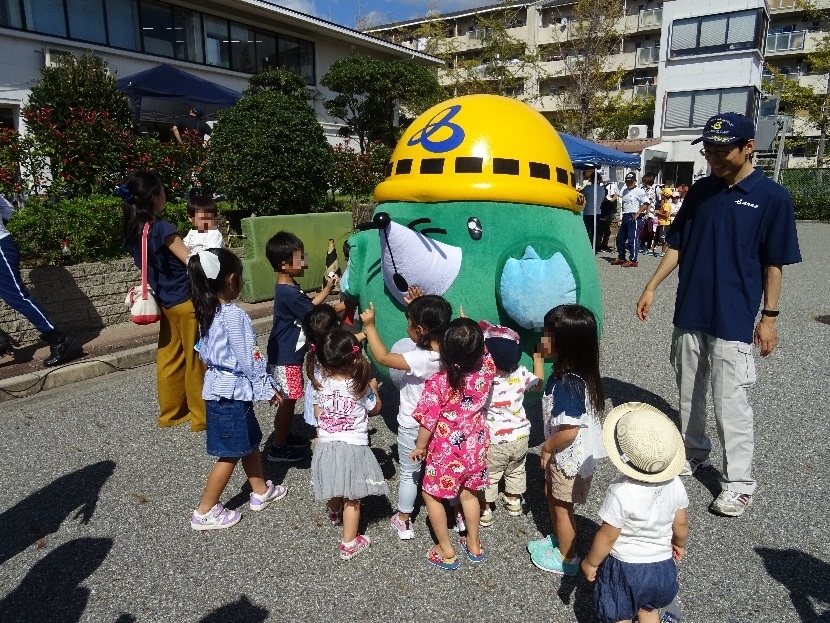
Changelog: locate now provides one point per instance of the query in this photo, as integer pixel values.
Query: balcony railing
(767, 75)
(479, 34)
(648, 56)
(784, 41)
(651, 18)
(642, 90)
(782, 4)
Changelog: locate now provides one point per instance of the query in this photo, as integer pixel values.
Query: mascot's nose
(381, 220)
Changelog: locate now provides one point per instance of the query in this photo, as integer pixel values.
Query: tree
(79, 120)
(620, 112)
(279, 80)
(370, 92)
(587, 45)
(269, 153)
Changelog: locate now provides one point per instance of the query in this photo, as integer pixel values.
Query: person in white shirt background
(201, 212)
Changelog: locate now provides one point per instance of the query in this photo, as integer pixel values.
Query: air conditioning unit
(638, 131)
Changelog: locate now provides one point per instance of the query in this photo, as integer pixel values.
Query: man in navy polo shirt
(735, 231)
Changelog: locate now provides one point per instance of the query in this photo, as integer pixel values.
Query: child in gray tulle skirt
(343, 468)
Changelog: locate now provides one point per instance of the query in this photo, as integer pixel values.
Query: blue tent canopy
(166, 82)
(586, 154)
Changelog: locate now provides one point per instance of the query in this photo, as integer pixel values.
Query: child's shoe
(551, 560)
(460, 526)
(258, 502)
(350, 550)
(540, 545)
(447, 564)
(335, 517)
(473, 557)
(486, 518)
(217, 518)
(513, 506)
(403, 528)
(285, 454)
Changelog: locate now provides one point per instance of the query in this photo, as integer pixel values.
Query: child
(571, 408)
(235, 377)
(317, 324)
(343, 468)
(201, 212)
(664, 218)
(287, 343)
(427, 318)
(506, 420)
(453, 438)
(644, 522)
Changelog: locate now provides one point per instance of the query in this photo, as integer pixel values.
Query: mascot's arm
(376, 346)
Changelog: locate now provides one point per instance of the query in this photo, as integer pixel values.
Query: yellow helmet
(481, 148)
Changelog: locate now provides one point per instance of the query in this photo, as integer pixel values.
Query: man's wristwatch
(769, 313)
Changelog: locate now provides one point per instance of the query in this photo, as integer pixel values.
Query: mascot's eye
(474, 228)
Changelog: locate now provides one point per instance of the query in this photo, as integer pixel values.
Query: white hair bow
(209, 262)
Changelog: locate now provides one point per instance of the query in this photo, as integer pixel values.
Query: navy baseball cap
(727, 128)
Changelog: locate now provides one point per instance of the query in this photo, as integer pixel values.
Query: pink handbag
(144, 308)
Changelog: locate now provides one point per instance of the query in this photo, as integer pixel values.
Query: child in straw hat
(644, 523)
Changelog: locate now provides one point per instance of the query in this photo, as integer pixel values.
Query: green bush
(812, 207)
(92, 225)
(269, 154)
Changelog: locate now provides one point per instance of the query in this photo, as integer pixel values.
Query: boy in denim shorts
(286, 343)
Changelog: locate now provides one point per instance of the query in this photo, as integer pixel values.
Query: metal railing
(647, 56)
(479, 34)
(651, 18)
(784, 41)
(782, 4)
(641, 90)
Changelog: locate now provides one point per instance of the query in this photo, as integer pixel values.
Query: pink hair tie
(355, 350)
(312, 347)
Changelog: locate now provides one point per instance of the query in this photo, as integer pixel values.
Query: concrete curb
(82, 370)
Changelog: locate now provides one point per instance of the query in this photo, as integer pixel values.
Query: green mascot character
(479, 205)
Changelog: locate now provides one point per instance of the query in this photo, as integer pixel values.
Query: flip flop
(470, 555)
(448, 564)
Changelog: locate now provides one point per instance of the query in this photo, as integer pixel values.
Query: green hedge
(91, 224)
(812, 207)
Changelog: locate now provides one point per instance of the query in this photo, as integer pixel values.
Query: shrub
(356, 174)
(92, 225)
(269, 154)
(812, 207)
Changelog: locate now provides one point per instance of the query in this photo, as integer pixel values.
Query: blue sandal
(470, 555)
(448, 564)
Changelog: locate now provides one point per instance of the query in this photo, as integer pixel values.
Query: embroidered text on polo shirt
(741, 202)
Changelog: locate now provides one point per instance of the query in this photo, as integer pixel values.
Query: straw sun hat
(643, 443)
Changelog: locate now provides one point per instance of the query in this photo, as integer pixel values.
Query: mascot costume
(479, 205)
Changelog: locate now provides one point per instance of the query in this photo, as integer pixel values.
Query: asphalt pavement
(94, 521)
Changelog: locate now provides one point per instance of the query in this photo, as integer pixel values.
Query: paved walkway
(94, 517)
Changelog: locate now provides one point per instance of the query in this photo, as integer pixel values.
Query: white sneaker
(486, 518)
(274, 492)
(460, 526)
(730, 503)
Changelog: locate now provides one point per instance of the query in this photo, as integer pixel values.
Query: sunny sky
(346, 12)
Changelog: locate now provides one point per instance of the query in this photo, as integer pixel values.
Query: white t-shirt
(632, 199)
(645, 513)
(422, 365)
(197, 241)
(505, 410)
(342, 416)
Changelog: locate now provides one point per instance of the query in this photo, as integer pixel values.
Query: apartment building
(795, 32)
(223, 41)
(697, 57)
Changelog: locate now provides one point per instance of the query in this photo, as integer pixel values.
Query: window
(217, 48)
(306, 55)
(243, 54)
(691, 109)
(10, 13)
(122, 24)
(157, 28)
(45, 16)
(717, 33)
(289, 50)
(8, 116)
(86, 20)
(187, 27)
(266, 51)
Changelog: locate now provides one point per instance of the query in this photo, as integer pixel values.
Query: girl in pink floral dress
(454, 439)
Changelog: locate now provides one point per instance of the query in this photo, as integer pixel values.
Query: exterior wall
(86, 296)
